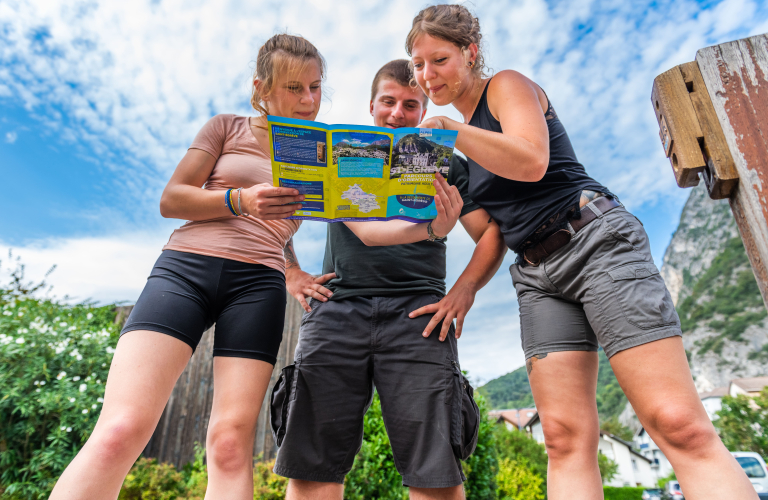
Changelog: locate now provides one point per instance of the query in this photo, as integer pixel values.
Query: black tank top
(528, 211)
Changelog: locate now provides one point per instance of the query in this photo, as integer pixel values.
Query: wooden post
(727, 90)
(185, 419)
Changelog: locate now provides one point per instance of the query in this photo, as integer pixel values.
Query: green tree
(608, 468)
(373, 474)
(614, 427)
(518, 445)
(743, 423)
(518, 482)
(482, 466)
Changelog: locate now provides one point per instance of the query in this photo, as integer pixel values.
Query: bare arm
(301, 284)
(183, 197)
(521, 151)
(486, 259)
(398, 232)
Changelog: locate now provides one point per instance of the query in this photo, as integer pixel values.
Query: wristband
(229, 203)
(432, 235)
(239, 207)
(232, 202)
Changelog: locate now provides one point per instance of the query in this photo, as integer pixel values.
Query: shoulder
(511, 88)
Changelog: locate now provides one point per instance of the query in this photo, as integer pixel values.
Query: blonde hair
(452, 23)
(281, 54)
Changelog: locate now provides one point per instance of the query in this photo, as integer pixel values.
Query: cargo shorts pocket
(644, 297)
(283, 393)
(465, 415)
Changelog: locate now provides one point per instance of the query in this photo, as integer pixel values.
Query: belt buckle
(525, 258)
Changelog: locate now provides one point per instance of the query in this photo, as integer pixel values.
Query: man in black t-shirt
(370, 321)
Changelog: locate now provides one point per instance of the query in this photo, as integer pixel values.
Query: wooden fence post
(728, 120)
(185, 419)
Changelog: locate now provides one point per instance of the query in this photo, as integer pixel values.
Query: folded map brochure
(357, 172)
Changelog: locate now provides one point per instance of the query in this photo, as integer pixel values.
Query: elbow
(537, 170)
(369, 242)
(165, 206)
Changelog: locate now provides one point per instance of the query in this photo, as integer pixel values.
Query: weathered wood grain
(736, 78)
(185, 419)
(674, 109)
(720, 176)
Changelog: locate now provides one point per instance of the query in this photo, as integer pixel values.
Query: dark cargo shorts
(345, 348)
(601, 288)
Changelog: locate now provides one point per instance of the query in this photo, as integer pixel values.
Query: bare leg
(454, 493)
(144, 370)
(239, 386)
(656, 379)
(312, 490)
(563, 386)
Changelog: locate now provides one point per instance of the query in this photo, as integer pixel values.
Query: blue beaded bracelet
(228, 203)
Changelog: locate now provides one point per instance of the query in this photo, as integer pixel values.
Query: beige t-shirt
(241, 162)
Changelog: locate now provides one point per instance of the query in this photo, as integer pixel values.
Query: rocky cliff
(725, 331)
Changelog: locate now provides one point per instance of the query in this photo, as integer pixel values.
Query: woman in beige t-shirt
(224, 266)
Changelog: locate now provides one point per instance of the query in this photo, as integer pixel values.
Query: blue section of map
(396, 209)
(361, 167)
(299, 146)
(309, 188)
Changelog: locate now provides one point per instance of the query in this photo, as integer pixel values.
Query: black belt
(538, 252)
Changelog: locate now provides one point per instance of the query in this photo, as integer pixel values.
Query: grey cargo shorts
(601, 288)
(345, 348)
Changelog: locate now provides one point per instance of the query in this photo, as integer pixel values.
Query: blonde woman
(225, 266)
(584, 275)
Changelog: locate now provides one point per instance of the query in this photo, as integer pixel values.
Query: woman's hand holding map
(448, 203)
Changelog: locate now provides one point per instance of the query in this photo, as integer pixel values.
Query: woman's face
(296, 94)
(440, 69)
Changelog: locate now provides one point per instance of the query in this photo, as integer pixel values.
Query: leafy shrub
(54, 358)
(520, 446)
(743, 423)
(266, 484)
(608, 468)
(627, 493)
(373, 474)
(517, 482)
(482, 466)
(149, 480)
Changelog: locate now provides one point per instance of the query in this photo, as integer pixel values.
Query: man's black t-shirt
(411, 269)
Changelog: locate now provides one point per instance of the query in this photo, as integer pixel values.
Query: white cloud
(105, 269)
(130, 83)
(10, 137)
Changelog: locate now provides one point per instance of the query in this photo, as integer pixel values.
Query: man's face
(397, 106)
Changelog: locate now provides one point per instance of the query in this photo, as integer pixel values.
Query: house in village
(513, 419)
(634, 468)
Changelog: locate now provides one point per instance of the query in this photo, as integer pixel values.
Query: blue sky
(99, 101)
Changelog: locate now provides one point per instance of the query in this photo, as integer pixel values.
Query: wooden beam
(736, 78)
(679, 127)
(720, 175)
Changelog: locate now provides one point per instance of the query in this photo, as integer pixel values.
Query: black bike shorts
(187, 293)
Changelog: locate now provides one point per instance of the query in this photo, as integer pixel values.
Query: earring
(471, 63)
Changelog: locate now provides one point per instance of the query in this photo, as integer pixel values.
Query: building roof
(511, 416)
(625, 443)
(754, 384)
(717, 392)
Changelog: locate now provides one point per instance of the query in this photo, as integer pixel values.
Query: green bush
(266, 484)
(614, 493)
(608, 468)
(54, 358)
(373, 474)
(517, 481)
(519, 446)
(482, 466)
(149, 480)
(743, 423)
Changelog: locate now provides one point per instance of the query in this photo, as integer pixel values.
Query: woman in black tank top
(584, 274)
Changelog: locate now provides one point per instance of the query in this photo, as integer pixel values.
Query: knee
(683, 428)
(121, 438)
(565, 438)
(229, 447)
